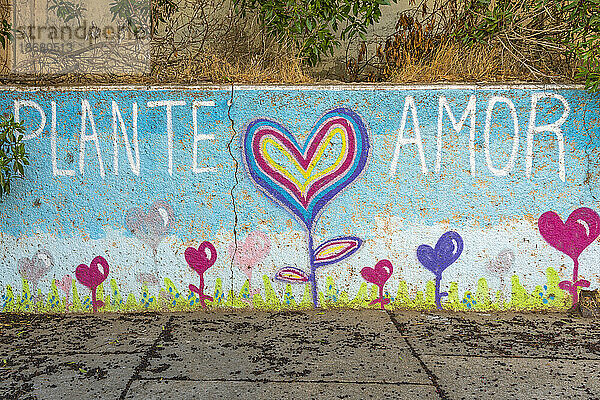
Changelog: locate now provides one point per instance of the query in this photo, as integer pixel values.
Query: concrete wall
(399, 197)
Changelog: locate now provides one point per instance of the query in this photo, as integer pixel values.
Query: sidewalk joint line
(267, 380)
(164, 334)
(434, 380)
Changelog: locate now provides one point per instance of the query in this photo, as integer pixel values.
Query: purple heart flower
(447, 250)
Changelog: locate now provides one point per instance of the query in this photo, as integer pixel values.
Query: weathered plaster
(404, 197)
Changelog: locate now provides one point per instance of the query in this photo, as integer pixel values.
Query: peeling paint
(137, 175)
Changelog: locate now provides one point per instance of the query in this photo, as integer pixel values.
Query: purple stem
(438, 295)
(313, 271)
(381, 295)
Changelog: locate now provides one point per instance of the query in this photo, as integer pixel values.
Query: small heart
(304, 178)
(251, 251)
(503, 261)
(573, 236)
(447, 250)
(91, 276)
(198, 259)
(379, 274)
(151, 226)
(34, 268)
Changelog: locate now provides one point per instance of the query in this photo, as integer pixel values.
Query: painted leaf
(291, 275)
(337, 249)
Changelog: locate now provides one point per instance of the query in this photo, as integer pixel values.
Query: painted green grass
(169, 298)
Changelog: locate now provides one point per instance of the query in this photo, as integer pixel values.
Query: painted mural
(449, 198)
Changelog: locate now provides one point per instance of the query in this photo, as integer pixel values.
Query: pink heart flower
(92, 277)
(573, 236)
(198, 260)
(65, 284)
(379, 276)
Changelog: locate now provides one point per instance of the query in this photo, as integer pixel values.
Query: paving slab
(515, 378)
(103, 333)
(83, 376)
(518, 335)
(350, 345)
(154, 389)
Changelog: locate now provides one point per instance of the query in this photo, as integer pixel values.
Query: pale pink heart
(251, 251)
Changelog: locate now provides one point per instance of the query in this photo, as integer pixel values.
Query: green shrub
(13, 157)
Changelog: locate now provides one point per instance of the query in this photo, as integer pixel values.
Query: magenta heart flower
(378, 276)
(200, 261)
(571, 237)
(91, 276)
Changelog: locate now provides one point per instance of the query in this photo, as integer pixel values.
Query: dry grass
(215, 68)
(453, 62)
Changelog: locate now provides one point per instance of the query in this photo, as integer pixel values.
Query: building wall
(399, 197)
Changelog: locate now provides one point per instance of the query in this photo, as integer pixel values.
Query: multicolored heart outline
(306, 200)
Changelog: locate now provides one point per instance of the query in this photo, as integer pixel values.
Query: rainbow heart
(305, 178)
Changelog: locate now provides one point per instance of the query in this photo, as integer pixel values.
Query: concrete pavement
(333, 354)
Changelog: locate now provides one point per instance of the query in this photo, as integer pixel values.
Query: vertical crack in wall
(235, 175)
